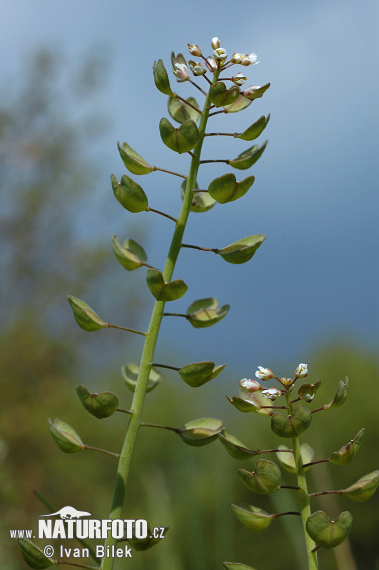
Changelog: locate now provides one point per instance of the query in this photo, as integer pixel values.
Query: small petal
(239, 79)
(237, 57)
(196, 68)
(249, 59)
(301, 371)
(249, 385)
(249, 91)
(220, 54)
(271, 393)
(211, 64)
(264, 373)
(215, 43)
(181, 72)
(194, 50)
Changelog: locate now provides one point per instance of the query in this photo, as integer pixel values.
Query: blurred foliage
(188, 489)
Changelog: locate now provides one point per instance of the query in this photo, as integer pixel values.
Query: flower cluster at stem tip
(217, 61)
(250, 386)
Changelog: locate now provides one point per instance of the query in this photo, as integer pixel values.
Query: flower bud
(301, 371)
(211, 64)
(271, 393)
(249, 59)
(181, 72)
(215, 43)
(264, 373)
(239, 79)
(220, 55)
(196, 68)
(237, 57)
(286, 382)
(194, 50)
(250, 91)
(250, 385)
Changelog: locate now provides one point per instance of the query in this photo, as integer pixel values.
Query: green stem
(303, 497)
(151, 339)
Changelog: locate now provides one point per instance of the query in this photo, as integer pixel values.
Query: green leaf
(201, 201)
(130, 255)
(242, 250)
(236, 566)
(307, 391)
(264, 480)
(239, 105)
(130, 375)
(86, 318)
(101, 405)
(201, 432)
(364, 488)
(287, 459)
(340, 395)
(254, 518)
(130, 194)
(180, 140)
(249, 157)
(327, 533)
(163, 291)
(198, 373)
(226, 188)
(256, 93)
(220, 95)
(291, 426)
(161, 79)
(348, 451)
(255, 129)
(234, 447)
(65, 436)
(34, 556)
(133, 161)
(181, 112)
(205, 312)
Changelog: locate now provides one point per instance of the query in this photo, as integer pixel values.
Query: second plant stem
(151, 339)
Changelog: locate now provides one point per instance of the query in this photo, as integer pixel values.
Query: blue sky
(315, 194)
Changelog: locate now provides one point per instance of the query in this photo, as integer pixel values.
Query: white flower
(264, 373)
(194, 49)
(271, 393)
(215, 43)
(197, 68)
(249, 385)
(211, 64)
(237, 57)
(180, 70)
(220, 54)
(239, 79)
(249, 59)
(301, 371)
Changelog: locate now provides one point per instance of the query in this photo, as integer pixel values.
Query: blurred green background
(52, 245)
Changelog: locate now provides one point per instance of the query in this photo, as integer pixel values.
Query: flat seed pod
(348, 451)
(65, 436)
(86, 317)
(364, 488)
(340, 395)
(226, 188)
(287, 460)
(133, 161)
(234, 447)
(242, 405)
(205, 312)
(33, 555)
(181, 112)
(201, 432)
(249, 157)
(255, 129)
(264, 480)
(130, 374)
(180, 140)
(327, 533)
(129, 194)
(141, 544)
(307, 391)
(163, 291)
(252, 517)
(101, 405)
(161, 79)
(236, 566)
(239, 105)
(242, 250)
(220, 95)
(130, 255)
(291, 426)
(198, 373)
